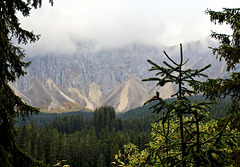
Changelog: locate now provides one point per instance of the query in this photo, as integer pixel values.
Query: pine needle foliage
(228, 50)
(185, 141)
(12, 66)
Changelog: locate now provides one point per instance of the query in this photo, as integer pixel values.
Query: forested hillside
(187, 130)
(218, 110)
(90, 141)
(90, 138)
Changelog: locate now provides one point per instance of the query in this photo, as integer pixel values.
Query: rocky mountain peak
(104, 77)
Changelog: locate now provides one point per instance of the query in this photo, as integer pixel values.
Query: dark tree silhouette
(12, 66)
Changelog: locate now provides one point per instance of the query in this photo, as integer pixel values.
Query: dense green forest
(90, 138)
(89, 141)
(185, 133)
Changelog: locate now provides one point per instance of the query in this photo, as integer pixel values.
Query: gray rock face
(105, 77)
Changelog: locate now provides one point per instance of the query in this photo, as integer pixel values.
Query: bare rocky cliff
(104, 77)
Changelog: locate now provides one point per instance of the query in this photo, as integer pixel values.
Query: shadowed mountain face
(105, 77)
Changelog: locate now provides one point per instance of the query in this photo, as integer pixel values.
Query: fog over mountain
(93, 78)
(117, 23)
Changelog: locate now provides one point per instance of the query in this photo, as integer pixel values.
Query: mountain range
(92, 78)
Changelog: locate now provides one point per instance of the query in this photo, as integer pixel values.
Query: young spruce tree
(185, 134)
(186, 115)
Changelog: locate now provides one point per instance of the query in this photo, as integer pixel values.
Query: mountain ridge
(105, 77)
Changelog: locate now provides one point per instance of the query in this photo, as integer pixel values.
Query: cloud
(114, 23)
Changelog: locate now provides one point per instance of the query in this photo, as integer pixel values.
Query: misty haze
(116, 83)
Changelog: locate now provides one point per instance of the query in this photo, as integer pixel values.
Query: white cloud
(113, 23)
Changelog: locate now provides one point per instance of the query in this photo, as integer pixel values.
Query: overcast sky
(115, 23)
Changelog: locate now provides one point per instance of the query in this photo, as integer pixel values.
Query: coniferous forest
(183, 131)
(89, 141)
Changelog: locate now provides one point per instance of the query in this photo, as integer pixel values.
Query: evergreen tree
(178, 110)
(41, 141)
(54, 147)
(86, 151)
(101, 162)
(74, 147)
(63, 148)
(228, 50)
(186, 135)
(104, 118)
(12, 66)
